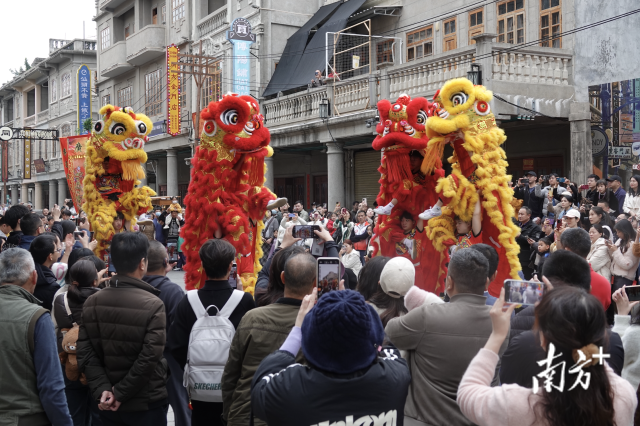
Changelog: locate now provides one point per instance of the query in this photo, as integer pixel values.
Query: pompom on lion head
(235, 121)
(122, 134)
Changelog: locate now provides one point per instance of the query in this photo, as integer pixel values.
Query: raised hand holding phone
(625, 301)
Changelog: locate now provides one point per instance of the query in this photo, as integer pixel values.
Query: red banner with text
(73, 153)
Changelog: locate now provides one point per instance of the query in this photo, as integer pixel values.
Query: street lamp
(324, 108)
(475, 75)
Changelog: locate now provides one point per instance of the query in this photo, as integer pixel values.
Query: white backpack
(209, 344)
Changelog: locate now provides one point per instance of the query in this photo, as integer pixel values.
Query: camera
(524, 181)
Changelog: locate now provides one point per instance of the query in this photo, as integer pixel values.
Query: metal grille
(212, 86)
(125, 96)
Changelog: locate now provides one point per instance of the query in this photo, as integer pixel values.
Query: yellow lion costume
(114, 158)
(464, 119)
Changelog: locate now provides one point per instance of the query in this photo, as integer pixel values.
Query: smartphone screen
(633, 292)
(77, 235)
(328, 274)
(305, 231)
(233, 277)
(523, 292)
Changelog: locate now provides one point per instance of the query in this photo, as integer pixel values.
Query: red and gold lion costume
(226, 195)
(113, 164)
(464, 119)
(401, 130)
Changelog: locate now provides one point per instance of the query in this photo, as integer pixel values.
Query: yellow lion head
(123, 134)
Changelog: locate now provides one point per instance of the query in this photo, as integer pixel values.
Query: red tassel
(256, 173)
(398, 167)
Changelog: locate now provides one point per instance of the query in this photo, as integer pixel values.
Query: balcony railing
(538, 65)
(212, 22)
(42, 116)
(535, 65)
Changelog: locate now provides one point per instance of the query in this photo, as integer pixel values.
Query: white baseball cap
(398, 276)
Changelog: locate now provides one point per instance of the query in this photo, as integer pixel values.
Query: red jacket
(600, 288)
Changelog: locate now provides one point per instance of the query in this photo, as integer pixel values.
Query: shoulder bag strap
(66, 307)
(196, 304)
(231, 304)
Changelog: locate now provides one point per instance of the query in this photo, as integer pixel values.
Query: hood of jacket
(45, 275)
(17, 291)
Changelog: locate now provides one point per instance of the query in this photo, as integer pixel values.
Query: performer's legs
(386, 210)
(362, 254)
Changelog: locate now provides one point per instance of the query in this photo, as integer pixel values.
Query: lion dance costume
(114, 158)
(464, 119)
(226, 194)
(401, 130)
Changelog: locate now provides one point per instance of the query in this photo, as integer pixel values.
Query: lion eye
(229, 117)
(141, 128)
(422, 117)
(209, 128)
(98, 127)
(459, 98)
(118, 129)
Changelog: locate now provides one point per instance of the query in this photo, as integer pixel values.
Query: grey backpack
(209, 344)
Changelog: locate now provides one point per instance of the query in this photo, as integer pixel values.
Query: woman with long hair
(350, 259)
(572, 329)
(369, 287)
(343, 226)
(598, 256)
(632, 199)
(598, 215)
(624, 262)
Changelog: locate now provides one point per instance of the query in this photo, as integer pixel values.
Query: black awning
(303, 56)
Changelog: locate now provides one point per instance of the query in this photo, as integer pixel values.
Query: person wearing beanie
(350, 378)
(442, 339)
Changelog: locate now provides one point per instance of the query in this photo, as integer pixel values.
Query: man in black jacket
(171, 294)
(348, 381)
(217, 257)
(45, 252)
(12, 218)
(122, 338)
(531, 194)
(529, 234)
(519, 362)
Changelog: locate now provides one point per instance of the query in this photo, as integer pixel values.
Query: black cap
(531, 173)
(614, 177)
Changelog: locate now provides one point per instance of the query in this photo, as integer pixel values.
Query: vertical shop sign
(173, 91)
(27, 158)
(241, 37)
(84, 97)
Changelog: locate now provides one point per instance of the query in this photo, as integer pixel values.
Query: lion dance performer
(405, 191)
(464, 119)
(114, 158)
(227, 198)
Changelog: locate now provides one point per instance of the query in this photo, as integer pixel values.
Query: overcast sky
(29, 24)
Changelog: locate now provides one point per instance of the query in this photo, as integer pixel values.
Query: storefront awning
(305, 51)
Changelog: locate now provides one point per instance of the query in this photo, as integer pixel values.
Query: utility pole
(199, 69)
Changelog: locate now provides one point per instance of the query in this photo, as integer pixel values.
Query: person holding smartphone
(531, 193)
(529, 234)
(624, 257)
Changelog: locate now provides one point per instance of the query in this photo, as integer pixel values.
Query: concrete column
(484, 44)
(580, 127)
(14, 194)
(24, 193)
(37, 105)
(269, 182)
(161, 174)
(62, 191)
(172, 173)
(37, 196)
(335, 173)
(53, 192)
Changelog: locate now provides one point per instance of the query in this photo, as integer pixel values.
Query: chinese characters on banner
(84, 97)
(173, 91)
(241, 37)
(73, 149)
(27, 159)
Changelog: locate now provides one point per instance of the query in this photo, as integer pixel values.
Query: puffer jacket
(522, 322)
(600, 259)
(62, 320)
(121, 341)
